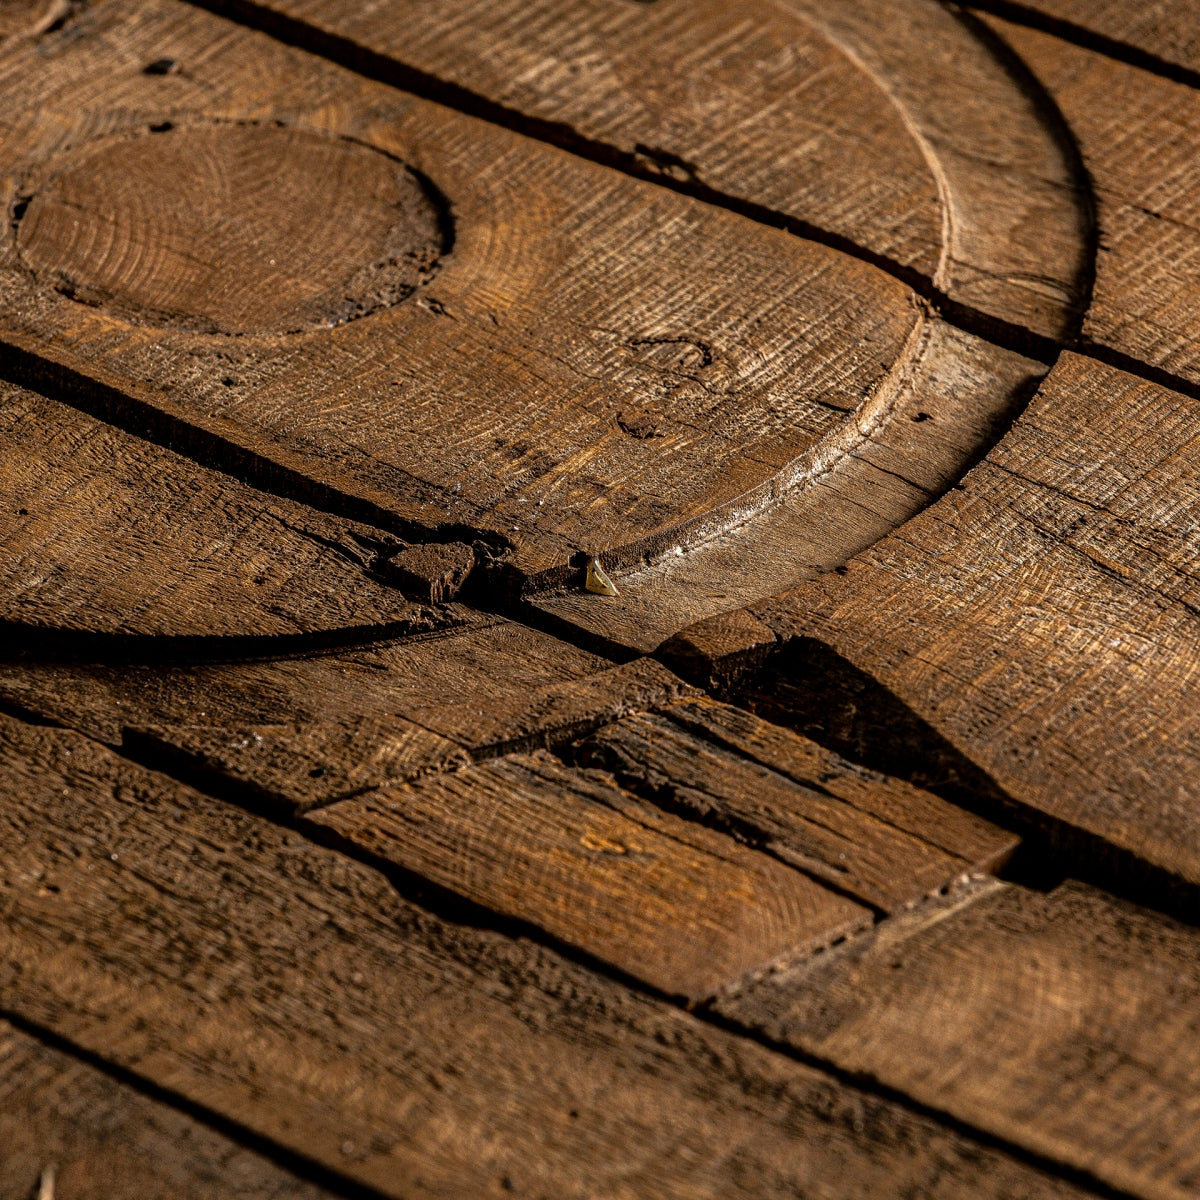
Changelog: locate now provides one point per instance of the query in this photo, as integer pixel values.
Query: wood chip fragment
(598, 581)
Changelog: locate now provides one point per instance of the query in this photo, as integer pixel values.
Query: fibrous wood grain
(912, 439)
(293, 991)
(102, 532)
(306, 729)
(1065, 1023)
(1139, 135)
(566, 295)
(874, 838)
(1167, 30)
(98, 1138)
(874, 122)
(1042, 617)
(679, 907)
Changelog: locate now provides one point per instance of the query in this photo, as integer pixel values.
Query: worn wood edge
(813, 517)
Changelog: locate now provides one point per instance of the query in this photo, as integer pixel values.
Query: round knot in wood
(234, 228)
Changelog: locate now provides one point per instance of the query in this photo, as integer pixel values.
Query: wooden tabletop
(599, 599)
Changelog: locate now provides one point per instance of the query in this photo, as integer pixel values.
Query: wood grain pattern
(483, 683)
(303, 765)
(183, 227)
(873, 121)
(1139, 135)
(1168, 30)
(1065, 1023)
(102, 532)
(874, 838)
(31, 17)
(295, 992)
(677, 906)
(307, 762)
(909, 442)
(1041, 618)
(572, 294)
(102, 1138)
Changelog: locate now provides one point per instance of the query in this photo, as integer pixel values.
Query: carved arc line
(664, 591)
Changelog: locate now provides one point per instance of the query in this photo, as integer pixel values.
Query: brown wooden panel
(1168, 30)
(561, 297)
(64, 1121)
(1041, 618)
(1139, 135)
(1065, 1023)
(103, 532)
(308, 728)
(295, 992)
(875, 838)
(874, 121)
(509, 345)
(684, 909)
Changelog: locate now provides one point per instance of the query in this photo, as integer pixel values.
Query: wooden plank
(310, 728)
(877, 839)
(295, 992)
(1064, 1023)
(1041, 618)
(875, 122)
(96, 1137)
(102, 532)
(675, 905)
(486, 394)
(1159, 35)
(1139, 135)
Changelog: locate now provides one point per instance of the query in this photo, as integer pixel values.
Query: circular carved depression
(234, 228)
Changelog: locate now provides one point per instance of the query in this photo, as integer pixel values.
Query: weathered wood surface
(95, 1138)
(580, 291)
(103, 532)
(668, 902)
(305, 729)
(877, 839)
(1065, 1023)
(1041, 617)
(1139, 135)
(873, 122)
(1163, 30)
(913, 440)
(584, 363)
(294, 991)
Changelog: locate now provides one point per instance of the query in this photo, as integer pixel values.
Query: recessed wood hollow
(232, 227)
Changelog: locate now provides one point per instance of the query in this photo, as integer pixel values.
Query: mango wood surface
(94, 1137)
(871, 122)
(1164, 30)
(294, 991)
(1139, 137)
(1063, 1022)
(877, 839)
(1040, 618)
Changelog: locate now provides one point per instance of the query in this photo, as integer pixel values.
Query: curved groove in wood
(1016, 219)
(792, 451)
